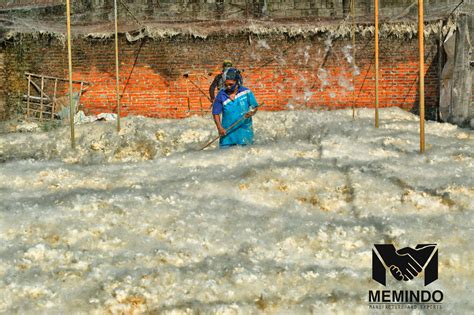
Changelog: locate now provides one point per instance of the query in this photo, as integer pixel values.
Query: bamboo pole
(71, 106)
(28, 99)
(54, 98)
(53, 78)
(37, 99)
(117, 65)
(422, 75)
(440, 66)
(353, 57)
(376, 63)
(41, 99)
(39, 89)
(36, 111)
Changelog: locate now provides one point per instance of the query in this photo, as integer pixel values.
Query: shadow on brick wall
(431, 92)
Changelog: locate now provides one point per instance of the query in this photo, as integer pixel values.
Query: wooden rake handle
(230, 127)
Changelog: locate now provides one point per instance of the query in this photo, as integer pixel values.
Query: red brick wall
(280, 71)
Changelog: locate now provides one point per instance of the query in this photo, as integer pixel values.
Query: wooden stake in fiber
(71, 105)
(376, 63)
(117, 66)
(353, 57)
(421, 75)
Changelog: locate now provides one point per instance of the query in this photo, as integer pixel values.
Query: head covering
(227, 63)
(231, 74)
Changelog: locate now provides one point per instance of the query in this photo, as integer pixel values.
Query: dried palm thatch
(203, 30)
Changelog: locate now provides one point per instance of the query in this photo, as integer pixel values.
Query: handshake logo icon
(406, 263)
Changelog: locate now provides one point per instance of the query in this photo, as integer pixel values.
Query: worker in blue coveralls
(234, 101)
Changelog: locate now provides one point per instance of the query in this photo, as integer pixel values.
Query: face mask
(231, 89)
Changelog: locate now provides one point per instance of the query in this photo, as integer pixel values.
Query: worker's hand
(251, 113)
(222, 131)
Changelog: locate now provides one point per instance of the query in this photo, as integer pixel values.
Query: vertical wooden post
(422, 75)
(54, 98)
(28, 98)
(353, 57)
(440, 66)
(71, 105)
(117, 65)
(376, 63)
(41, 99)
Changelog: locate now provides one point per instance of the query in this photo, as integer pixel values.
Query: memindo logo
(405, 265)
